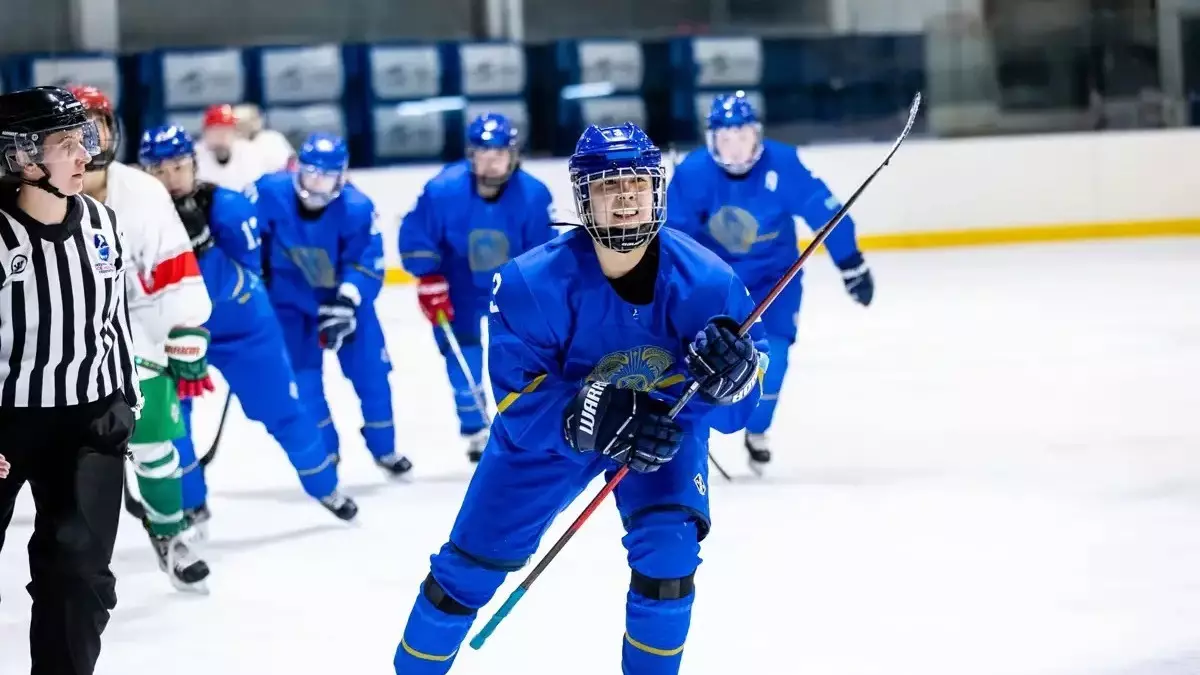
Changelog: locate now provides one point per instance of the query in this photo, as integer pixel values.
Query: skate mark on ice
(289, 495)
(1182, 663)
(137, 560)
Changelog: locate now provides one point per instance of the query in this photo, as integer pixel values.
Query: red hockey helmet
(220, 116)
(98, 104)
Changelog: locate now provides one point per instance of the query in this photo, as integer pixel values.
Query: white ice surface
(995, 470)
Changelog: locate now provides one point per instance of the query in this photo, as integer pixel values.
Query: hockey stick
(212, 449)
(818, 238)
(480, 400)
(673, 156)
(134, 506)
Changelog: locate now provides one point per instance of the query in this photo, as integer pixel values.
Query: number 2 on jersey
(495, 287)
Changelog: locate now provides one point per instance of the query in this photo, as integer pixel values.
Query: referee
(68, 389)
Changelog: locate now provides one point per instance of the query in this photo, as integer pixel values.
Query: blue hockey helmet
(620, 186)
(734, 133)
(165, 145)
(492, 148)
(321, 167)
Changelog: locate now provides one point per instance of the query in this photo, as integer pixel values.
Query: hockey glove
(857, 277)
(623, 424)
(433, 292)
(187, 361)
(337, 321)
(723, 364)
(195, 220)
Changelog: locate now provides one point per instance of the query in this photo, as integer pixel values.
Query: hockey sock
(439, 621)
(431, 639)
(380, 437)
(655, 631)
(664, 552)
(470, 417)
(157, 469)
(760, 420)
(316, 468)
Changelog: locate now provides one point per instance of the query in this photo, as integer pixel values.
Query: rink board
(960, 192)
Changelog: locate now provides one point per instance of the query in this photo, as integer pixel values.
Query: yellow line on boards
(987, 237)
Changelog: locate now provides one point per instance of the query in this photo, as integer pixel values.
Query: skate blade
(402, 478)
(759, 469)
(199, 588)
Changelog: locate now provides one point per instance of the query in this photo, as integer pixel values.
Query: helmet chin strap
(623, 239)
(43, 183)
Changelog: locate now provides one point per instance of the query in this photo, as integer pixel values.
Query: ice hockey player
(248, 346)
(223, 157)
(272, 147)
(168, 306)
(592, 337)
(471, 219)
(738, 197)
(324, 264)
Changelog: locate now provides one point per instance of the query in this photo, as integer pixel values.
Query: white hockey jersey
(245, 166)
(274, 149)
(167, 289)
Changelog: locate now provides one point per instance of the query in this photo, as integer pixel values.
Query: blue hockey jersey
(309, 256)
(748, 220)
(231, 268)
(455, 232)
(556, 323)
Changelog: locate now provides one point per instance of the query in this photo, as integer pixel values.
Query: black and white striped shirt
(64, 323)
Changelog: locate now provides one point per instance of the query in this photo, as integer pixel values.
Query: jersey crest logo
(316, 266)
(641, 369)
(19, 263)
(104, 255)
(736, 229)
(487, 250)
(772, 181)
(102, 248)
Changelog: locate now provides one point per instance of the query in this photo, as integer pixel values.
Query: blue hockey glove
(623, 424)
(857, 277)
(337, 322)
(723, 364)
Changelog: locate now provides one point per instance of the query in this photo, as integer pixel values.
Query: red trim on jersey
(170, 272)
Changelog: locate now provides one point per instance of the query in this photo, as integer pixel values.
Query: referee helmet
(28, 118)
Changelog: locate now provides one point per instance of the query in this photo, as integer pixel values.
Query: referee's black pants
(72, 459)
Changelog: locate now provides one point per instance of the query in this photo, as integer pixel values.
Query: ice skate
(394, 464)
(177, 556)
(197, 520)
(760, 452)
(340, 505)
(476, 442)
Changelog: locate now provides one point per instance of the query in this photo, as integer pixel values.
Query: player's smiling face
(622, 201)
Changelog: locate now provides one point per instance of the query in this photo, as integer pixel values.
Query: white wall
(894, 16)
(945, 185)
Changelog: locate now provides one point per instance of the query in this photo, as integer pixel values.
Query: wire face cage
(622, 208)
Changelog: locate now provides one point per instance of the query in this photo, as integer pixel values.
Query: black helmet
(27, 117)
